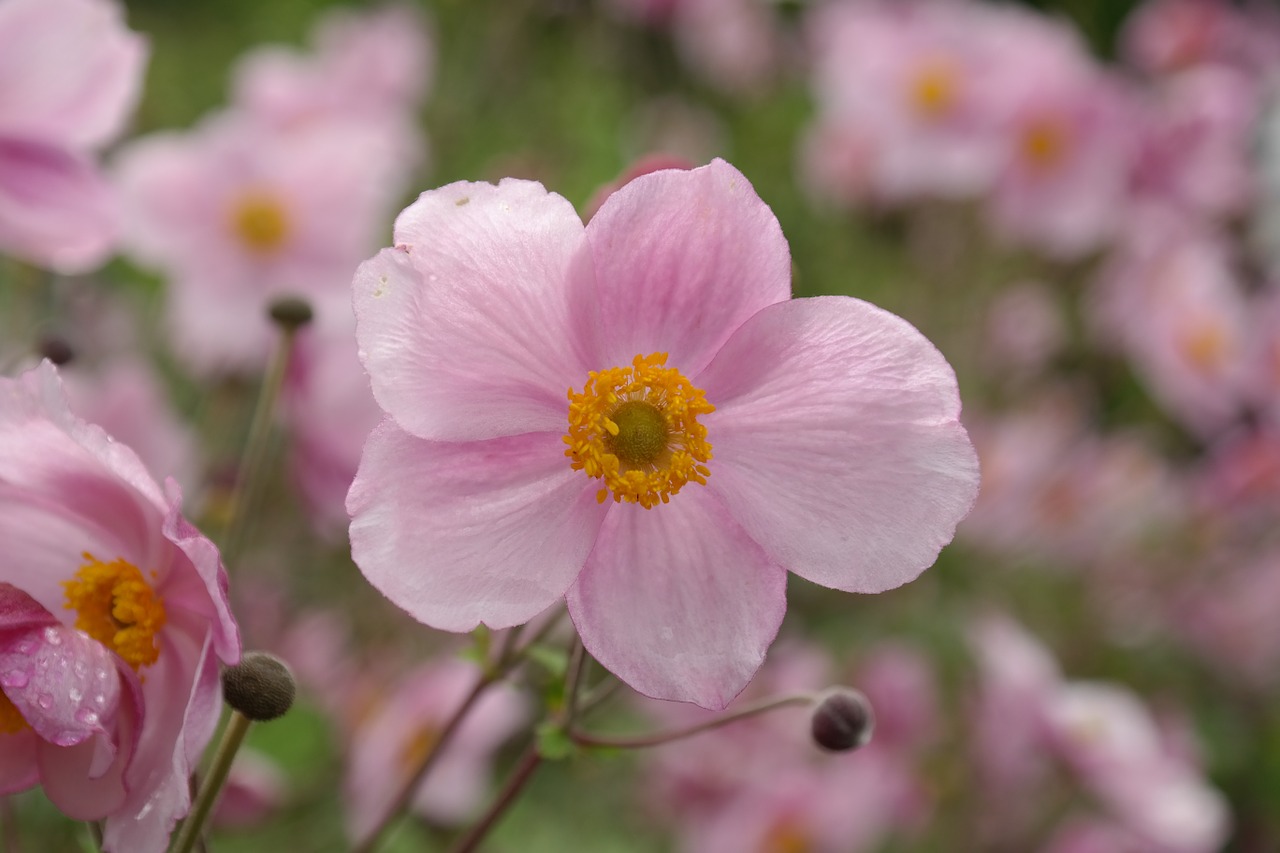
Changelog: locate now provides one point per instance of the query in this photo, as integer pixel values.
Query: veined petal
(483, 316)
(457, 534)
(678, 601)
(837, 444)
(682, 258)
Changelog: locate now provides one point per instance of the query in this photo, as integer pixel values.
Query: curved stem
(753, 709)
(237, 727)
(511, 789)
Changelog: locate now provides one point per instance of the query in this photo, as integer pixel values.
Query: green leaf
(554, 743)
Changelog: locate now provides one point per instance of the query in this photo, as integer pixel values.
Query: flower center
(934, 88)
(786, 836)
(417, 747)
(636, 428)
(118, 608)
(11, 720)
(1044, 143)
(260, 221)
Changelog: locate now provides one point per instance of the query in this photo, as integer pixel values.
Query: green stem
(249, 474)
(753, 709)
(237, 727)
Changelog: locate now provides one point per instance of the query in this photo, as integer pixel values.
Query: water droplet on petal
(44, 700)
(15, 678)
(85, 717)
(52, 637)
(66, 739)
(81, 668)
(26, 647)
(75, 694)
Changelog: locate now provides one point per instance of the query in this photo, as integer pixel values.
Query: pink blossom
(70, 72)
(255, 790)
(1165, 36)
(837, 450)
(237, 213)
(110, 720)
(1025, 330)
(396, 735)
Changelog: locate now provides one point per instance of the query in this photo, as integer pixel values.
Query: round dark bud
(291, 312)
(55, 348)
(842, 720)
(260, 686)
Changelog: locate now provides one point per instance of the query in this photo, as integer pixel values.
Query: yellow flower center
(1206, 347)
(934, 88)
(636, 428)
(118, 608)
(11, 721)
(786, 836)
(260, 221)
(1044, 143)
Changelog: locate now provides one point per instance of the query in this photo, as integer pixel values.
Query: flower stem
(249, 473)
(237, 727)
(511, 789)
(753, 709)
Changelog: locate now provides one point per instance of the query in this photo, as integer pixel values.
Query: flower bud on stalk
(260, 686)
(842, 720)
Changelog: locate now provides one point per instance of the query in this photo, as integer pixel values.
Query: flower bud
(842, 720)
(291, 312)
(55, 348)
(260, 686)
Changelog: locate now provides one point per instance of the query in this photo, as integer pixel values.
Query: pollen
(118, 608)
(259, 221)
(11, 719)
(1044, 143)
(636, 429)
(934, 88)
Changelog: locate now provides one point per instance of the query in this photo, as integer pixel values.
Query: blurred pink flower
(70, 73)
(114, 617)
(1025, 329)
(236, 213)
(396, 735)
(254, 791)
(838, 454)
(1164, 36)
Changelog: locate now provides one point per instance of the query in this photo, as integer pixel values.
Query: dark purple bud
(291, 312)
(260, 686)
(842, 720)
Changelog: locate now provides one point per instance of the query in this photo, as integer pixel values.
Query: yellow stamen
(1205, 347)
(1044, 143)
(11, 720)
(934, 88)
(636, 428)
(118, 608)
(260, 221)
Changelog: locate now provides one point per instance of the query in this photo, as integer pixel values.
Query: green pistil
(642, 433)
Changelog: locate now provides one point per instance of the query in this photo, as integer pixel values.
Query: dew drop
(75, 694)
(66, 739)
(100, 700)
(15, 678)
(26, 647)
(52, 637)
(86, 717)
(44, 700)
(81, 668)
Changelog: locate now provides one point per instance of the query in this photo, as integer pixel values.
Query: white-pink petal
(836, 442)
(458, 534)
(682, 258)
(481, 318)
(678, 601)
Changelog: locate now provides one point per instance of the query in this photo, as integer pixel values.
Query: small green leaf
(554, 661)
(553, 742)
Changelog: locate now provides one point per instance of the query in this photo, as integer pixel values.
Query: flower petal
(62, 682)
(18, 771)
(837, 444)
(682, 258)
(457, 534)
(677, 601)
(482, 317)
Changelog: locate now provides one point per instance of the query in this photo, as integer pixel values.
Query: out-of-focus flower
(254, 790)
(237, 214)
(1164, 36)
(396, 736)
(70, 73)
(115, 619)
(837, 449)
(1025, 330)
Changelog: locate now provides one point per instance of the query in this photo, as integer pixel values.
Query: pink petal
(18, 770)
(481, 318)
(61, 681)
(682, 258)
(458, 534)
(677, 601)
(71, 69)
(56, 210)
(836, 444)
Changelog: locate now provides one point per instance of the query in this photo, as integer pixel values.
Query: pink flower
(70, 73)
(486, 496)
(396, 736)
(113, 618)
(237, 213)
